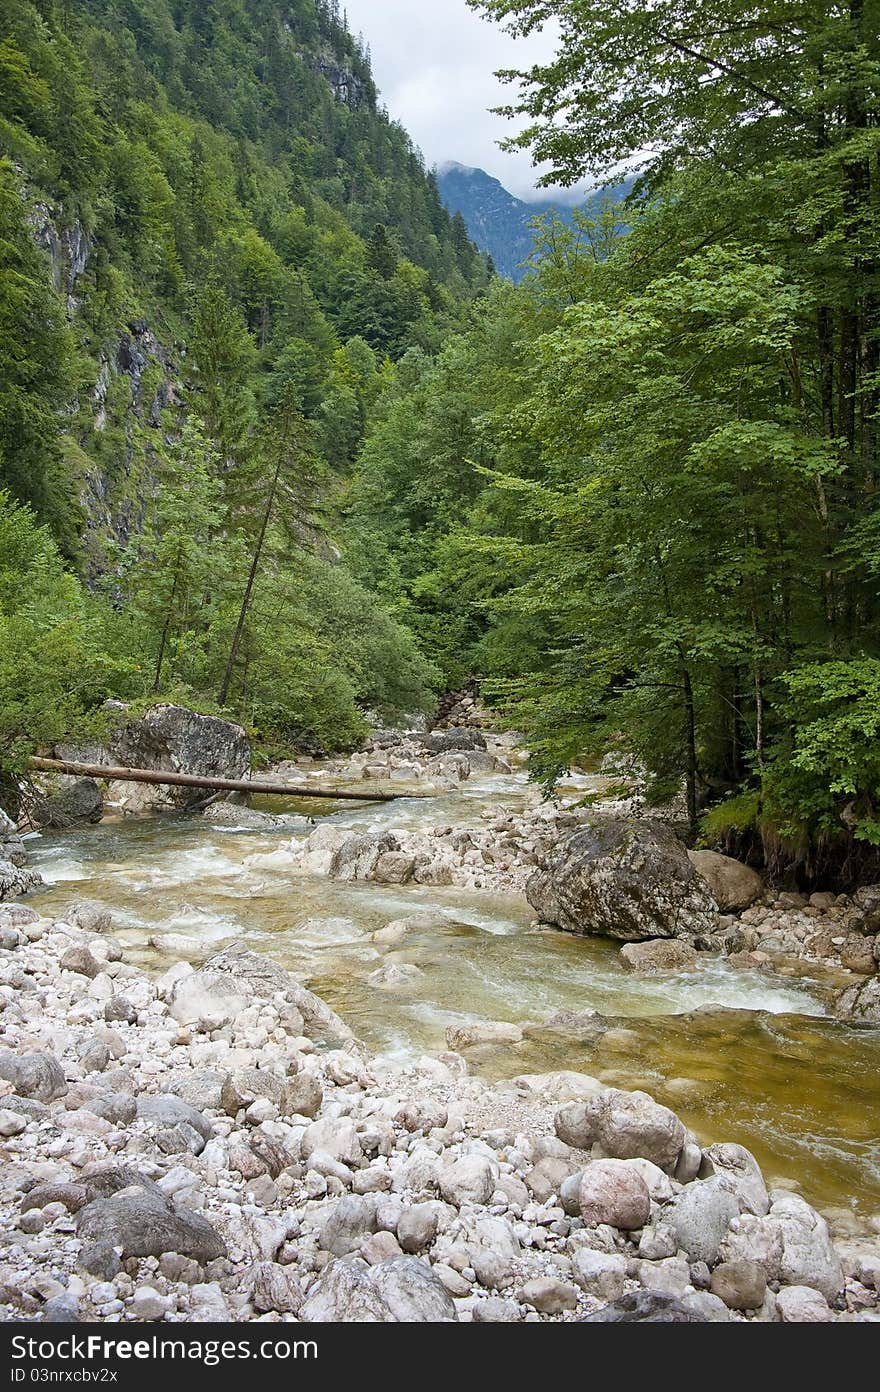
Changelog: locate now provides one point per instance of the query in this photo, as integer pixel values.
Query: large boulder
(623, 878)
(345, 1295)
(263, 979)
(860, 1004)
(65, 801)
(12, 848)
(411, 1291)
(700, 1217)
(792, 1244)
(627, 1126)
(346, 855)
(141, 1223)
(742, 1173)
(455, 738)
(34, 1075)
(734, 886)
(171, 739)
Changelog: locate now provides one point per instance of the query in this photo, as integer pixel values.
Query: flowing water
(740, 1055)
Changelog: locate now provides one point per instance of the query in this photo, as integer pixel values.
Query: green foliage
(54, 669)
(36, 369)
(827, 773)
(638, 496)
(233, 235)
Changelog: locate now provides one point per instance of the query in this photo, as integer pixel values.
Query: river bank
(214, 1144)
(412, 922)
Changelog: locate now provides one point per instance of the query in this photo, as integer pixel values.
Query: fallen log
(223, 785)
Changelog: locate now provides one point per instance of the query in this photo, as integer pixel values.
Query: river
(768, 1068)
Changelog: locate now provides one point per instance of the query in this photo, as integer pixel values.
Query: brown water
(765, 1066)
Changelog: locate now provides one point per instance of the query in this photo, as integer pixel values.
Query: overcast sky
(434, 61)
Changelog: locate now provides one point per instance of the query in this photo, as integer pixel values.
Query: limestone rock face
(16, 880)
(734, 885)
(623, 878)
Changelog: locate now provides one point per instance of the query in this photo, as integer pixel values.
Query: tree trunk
(157, 679)
(246, 601)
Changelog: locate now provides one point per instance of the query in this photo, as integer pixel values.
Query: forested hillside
(295, 454)
(639, 496)
(213, 245)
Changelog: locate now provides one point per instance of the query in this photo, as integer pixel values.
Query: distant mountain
(497, 221)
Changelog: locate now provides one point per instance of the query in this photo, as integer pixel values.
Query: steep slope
(165, 144)
(499, 223)
(213, 244)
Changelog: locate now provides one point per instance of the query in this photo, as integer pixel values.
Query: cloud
(434, 62)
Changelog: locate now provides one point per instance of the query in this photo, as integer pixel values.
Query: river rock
(626, 1125)
(741, 1284)
(352, 1219)
(276, 1288)
(456, 738)
(802, 1305)
(142, 1225)
(470, 1179)
(613, 1192)
(417, 1227)
(207, 999)
(337, 1137)
(263, 979)
(344, 1295)
(734, 886)
(700, 1217)
(659, 955)
(626, 879)
(34, 1075)
(742, 1170)
(600, 1274)
(393, 975)
(411, 1291)
(860, 1004)
(168, 1110)
(459, 1037)
(791, 1243)
(119, 1010)
(548, 1295)
(304, 1095)
(247, 1085)
(88, 915)
(394, 867)
(646, 1307)
(79, 959)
